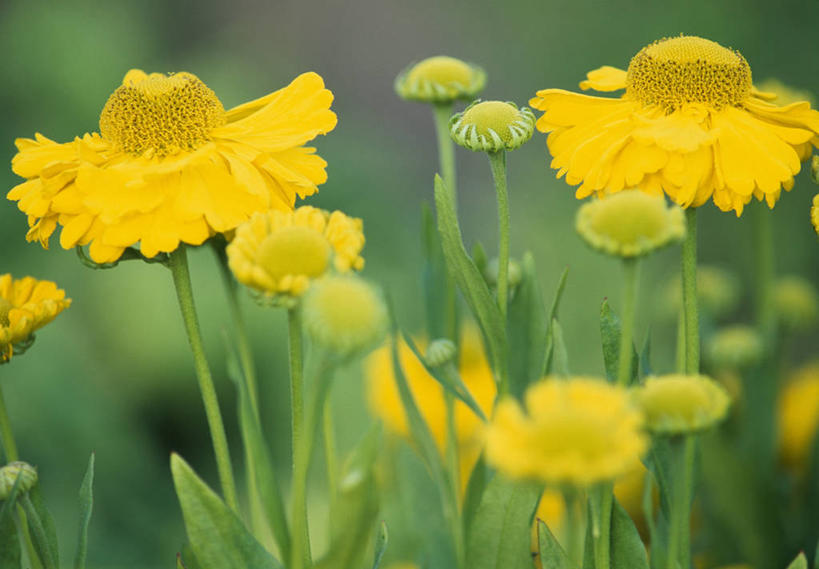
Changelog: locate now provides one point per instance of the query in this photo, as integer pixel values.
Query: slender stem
(6, 434)
(178, 263)
(602, 533)
(446, 148)
(497, 161)
(575, 526)
(330, 453)
(301, 529)
(680, 356)
(764, 269)
(454, 468)
(689, 290)
(630, 277)
(679, 537)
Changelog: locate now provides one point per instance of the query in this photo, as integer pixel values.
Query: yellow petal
(605, 78)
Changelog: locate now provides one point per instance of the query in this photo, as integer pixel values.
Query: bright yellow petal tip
(797, 303)
(578, 431)
(440, 79)
(679, 404)
(630, 224)
(490, 126)
(799, 415)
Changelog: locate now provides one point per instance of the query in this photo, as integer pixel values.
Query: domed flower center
(5, 308)
(442, 70)
(576, 434)
(294, 250)
(163, 113)
(631, 217)
(688, 69)
(676, 398)
(495, 115)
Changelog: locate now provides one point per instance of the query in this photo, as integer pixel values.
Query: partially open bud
(440, 352)
(9, 475)
(491, 126)
(681, 404)
(735, 347)
(440, 79)
(515, 273)
(797, 303)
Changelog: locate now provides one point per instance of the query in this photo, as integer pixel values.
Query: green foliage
(627, 549)
(86, 506)
(435, 279)
(217, 536)
(381, 540)
(552, 554)
(801, 562)
(610, 334)
(560, 360)
(10, 553)
(41, 526)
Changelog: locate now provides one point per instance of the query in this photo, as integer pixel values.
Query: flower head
(799, 414)
(689, 124)
(735, 347)
(440, 79)
(677, 404)
(630, 224)
(26, 305)
(281, 252)
(9, 475)
(171, 166)
(490, 126)
(797, 303)
(579, 431)
(344, 314)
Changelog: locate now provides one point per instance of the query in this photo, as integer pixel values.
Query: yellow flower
(25, 306)
(783, 94)
(491, 126)
(735, 347)
(578, 431)
(689, 124)
(676, 404)
(171, 166)
(440, 79)
(385, 401)
(630, 224)
(280, 252)
(797, 303)
(799, 415)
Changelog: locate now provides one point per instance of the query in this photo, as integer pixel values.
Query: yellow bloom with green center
(578, 431)
(690, 124)
(630, 224)
(440, 79)
(385, 401)
(171, 166)
(797, 303)
(490, 126)
(345, 314)
(799, 415)
(678, 404)
(281, 252)
(26, 305)
(735, 347)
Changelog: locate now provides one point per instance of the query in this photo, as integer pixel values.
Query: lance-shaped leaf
(86, 506)
(527, 329)
(10, 553)
(381, 540)
(552, 554)
(550, 344)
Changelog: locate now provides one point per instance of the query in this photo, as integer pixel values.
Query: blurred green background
(113, 373)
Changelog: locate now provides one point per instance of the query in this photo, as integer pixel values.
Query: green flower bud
(9, 474)
(440, 79)
(735, 347)
(797, 303)
(440, 352)
(680, 404)
(515, 273)
(491, 126)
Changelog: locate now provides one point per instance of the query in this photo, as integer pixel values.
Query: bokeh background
(113, 373)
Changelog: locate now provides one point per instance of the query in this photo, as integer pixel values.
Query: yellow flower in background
(734, 347)
(786, 95)
(280, 252)
(690, 124)
(799, 415)
(578, 431)
(26, 305)
(797, 303)
(171, 166)
(440, 79)
(678, 404)
(385, 401)
(630, 223)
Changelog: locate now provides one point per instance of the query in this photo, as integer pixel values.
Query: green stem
(178, 263)
(764, 269)
(689, 290)
(678, 555)
(680, 357)
(602, 531)
(6, 434)
(497, 161)
(630, 277)
(686, 499)
(575, 526)
(454, 468)
(38, 532)
(330, 453)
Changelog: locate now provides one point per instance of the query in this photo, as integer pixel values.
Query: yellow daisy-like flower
(677, 404)
(579, 431)
(280, 252)
(25, 306)
(171, 166)
(440, 79)
(690, 124)
(385, 401)
(799, 415)
(630, 224)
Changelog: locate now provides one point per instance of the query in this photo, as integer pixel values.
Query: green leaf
(479, 257)
(645, 357)
(552, 554)
(10, 552)
(381, 540)
(474, 492)
(42, 528)
(547, 360)
(436, 281)
(801, 562)
(610, 334)
(500, 534)
(217, 536)
(560, 365)
(526, 330)
(627, 549)
(469, 278)
(86, 506)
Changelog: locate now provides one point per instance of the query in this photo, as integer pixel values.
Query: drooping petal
(606, 78)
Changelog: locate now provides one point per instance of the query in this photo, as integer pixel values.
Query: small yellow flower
(579, 431)
(735, 347)
(281, 252)
(25, 306)
(799, 415)
(171, 166)
(345, 314)
(9, 475)
(689, 124)
(678, 404)
(476, 374)
(490, 126)
(630, 224)
(440, 79)
(797, 303)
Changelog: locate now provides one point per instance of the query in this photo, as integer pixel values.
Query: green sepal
(610, 335)
(217, 536)
(552, 554)
(469, 278)
(801, 562)
(41, 525)
(499, 537)
(10, 551)
(382, 538)
(86, 507)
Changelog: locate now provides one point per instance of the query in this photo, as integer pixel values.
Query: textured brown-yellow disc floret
(674, 71)
(161, 113)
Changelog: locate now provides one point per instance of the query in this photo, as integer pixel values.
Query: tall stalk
(689, 290)
(630, 278)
